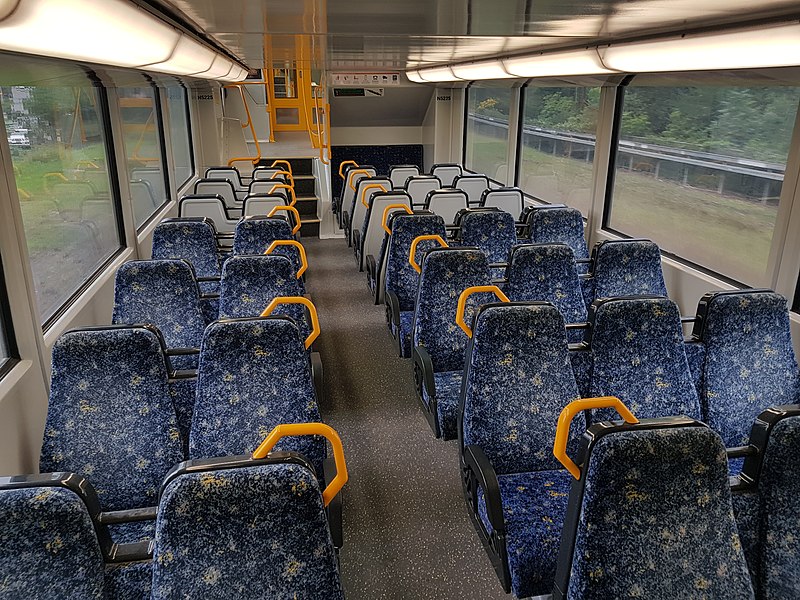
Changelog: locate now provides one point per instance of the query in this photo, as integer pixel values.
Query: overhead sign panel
(358, 79)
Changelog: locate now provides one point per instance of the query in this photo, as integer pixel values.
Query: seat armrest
(424, 366)
(478, 466)
(316, 375)
(334, 509)
(393, 310)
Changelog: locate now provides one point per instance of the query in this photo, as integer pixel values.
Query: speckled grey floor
(406, 527)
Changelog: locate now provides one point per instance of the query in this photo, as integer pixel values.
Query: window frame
(189, 132)
(7, 328)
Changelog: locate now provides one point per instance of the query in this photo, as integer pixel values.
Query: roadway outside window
(699, 171)
(486, 143)
(180, 133)
(58, 149)
(143, 150)
(557, 144)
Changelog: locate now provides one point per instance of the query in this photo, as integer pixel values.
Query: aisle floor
(407, 532)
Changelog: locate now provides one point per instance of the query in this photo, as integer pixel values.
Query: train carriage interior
(399, 300)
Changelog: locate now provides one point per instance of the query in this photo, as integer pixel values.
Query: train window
(699, 171)
(56, 130)
(143, 149)
(558, 139)
(180, 133)
(486, 140)
(6, 335)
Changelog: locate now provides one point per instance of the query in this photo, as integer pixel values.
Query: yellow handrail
(281, 161)
(252, 159)
(355, 172)
(290, 209)
(300, 249)
(287, 173)
(284, 186)
(312, 310)
(371, 186)
(462, 303)
(295, 429)
(413, 251)
(386, 215)
(569, 412)
(343, 164)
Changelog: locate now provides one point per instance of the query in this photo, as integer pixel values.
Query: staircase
(305, 189)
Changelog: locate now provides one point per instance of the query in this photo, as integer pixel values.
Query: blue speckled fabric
(493, 232)
(750, 363)
(129, 581)
(445, 274)
(780, 489)
(182, 392)
(747, 511)
(250, 283)
(48, 547)
(163, 293)
(696, 356)
(627, 268)
(249, 533)
(110, 417)
(638, 356)
(448, 389)
(518, 380)
(406, 329)
(253, 235)
(193, 241)
(534, 507)
(548, 273)
(642, 534)
(559, 226)
(401, 278)
(582, 369)
(253, 376)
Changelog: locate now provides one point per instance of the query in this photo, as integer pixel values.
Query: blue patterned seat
(558, 225)
(254, 375)
(195, 241)
(401, 279)
(254, 235)
(651, 517)
(110, 417)
(638, 356)
(547, 273)
(627, 268)
(250, 283)
(251, 531)
(518, 378)
(492, 231)
(750, 363)
(438, 343)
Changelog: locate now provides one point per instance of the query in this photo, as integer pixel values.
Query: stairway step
(309, 227)
(307, 206)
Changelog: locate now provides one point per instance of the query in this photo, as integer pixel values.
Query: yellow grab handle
(329, 433)
(289, 209)
(288, 175)
(462, 303)
(412, 253)
(357, 172)
(297, 300)
(371, 186)
(275, 163)
(386, 215)
(344, 164)
(296, 244)
(86, 164)
(285, 186)
(565, 419)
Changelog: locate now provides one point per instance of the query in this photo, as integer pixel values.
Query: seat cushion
(534, 507)
(406, 329)
(129, 581)
(448, 390)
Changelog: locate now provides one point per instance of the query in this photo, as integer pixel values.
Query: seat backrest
(559, 225)
(447, 272)
(750, 363)
(447, 203)
(110, 416)
(667, 483)
(261, 204)
(191, 239)
(638, 356)
(474, 186)
(143, 200)
(401, 278)
(626, 268)
(250, 283)
(259, 529)
(351, 181)
(399, 173)
(359, 211)
(508, 199)
(419, 186)
(209, 206)
(229, 173)
(254, 374)
(163, 293)
(262, 173)
(372, 230)
(493, 232)
(446, 172)
(254, 234)
(547, 273)
(49, 548)
(518, 378)
(262, 187)
(221, 187)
